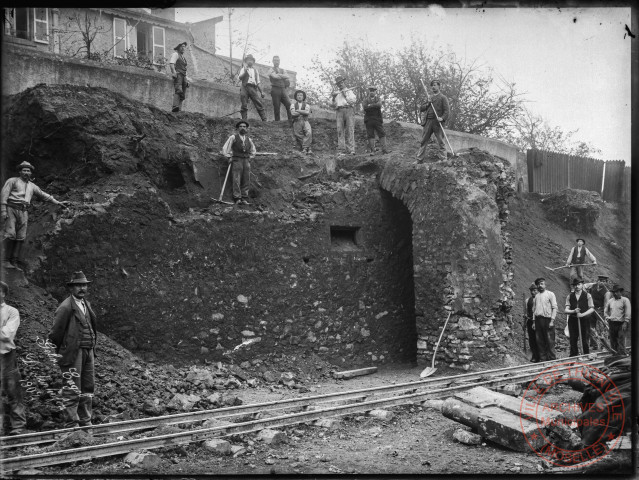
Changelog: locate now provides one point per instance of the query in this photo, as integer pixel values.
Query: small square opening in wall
(344, 238)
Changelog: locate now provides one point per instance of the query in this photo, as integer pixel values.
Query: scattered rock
(237, 450)
(467, 438)
(385, 415)
(328, 423)
(183, 402)
(77, 439)
(272, 437)
(242, 299)
(218, 446)
(143, 459)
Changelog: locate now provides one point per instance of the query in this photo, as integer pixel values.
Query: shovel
(428, 371)
(568, 266)
(437, 118)
(223, 187)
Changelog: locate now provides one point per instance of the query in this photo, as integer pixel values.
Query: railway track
(254, 417)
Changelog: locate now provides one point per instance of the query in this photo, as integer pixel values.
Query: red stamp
(547, 424)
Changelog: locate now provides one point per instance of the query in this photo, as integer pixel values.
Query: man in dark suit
(434, 113)
(74, 335)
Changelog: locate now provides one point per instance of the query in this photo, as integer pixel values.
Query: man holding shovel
(437, 110)
(577, 258)
(579, 307)
(600, 296)
(240, 149)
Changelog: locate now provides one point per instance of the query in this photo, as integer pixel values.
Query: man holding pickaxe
(577, 258)
(600, 296)
(437, 110)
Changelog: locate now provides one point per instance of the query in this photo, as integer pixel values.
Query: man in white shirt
(240, 149)
(344, 103)
(544, 313)
(9, 323)
(300, 110)
(177, 64)
(617, 312)
(577, 257)
(250, 78)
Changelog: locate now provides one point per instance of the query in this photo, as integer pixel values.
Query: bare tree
(79, 32)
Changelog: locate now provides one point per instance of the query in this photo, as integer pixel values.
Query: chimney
(166, 13)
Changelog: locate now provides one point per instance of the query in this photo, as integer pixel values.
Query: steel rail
(126, 446)
(252, 409)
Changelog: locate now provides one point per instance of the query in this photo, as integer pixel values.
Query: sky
(573, 64)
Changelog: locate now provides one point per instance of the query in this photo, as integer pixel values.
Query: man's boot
(384, 146)
(371, 146)
(8, 246)
(16, 261)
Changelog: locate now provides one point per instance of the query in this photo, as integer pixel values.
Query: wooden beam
(345, 375)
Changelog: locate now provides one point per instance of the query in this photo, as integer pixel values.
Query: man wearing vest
(580, 306)
(532, 340)
(544, 313)
(300, 110)
(577, 257)
(279, 83)
(74, 335)
(250, 78)
(14, 200)
(431, 121)
(239, 149)
(344, 102)
(9, 323)
(372, 105)
(177, 64)
(600, 295)
(617, 313)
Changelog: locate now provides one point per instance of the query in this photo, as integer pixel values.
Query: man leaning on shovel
(579, 307)
(436, 112)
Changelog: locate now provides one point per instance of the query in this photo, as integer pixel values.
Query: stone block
(467, 438)
(143, 459)
(328, 423)
(181, 401)
(272, 437)
(218, 446)
(237, 450)
(385, 415)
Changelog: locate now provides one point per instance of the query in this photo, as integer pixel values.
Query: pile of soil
(574, 209)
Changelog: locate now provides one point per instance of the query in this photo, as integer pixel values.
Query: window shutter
(159, 49)
(119, 37)
(41, 25)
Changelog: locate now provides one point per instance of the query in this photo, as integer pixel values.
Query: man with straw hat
(250, 78)
(177, 64)
(15, 198)
(74, 335)
(300, 110)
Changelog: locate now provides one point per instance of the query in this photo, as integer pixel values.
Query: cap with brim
(617, 288)
(576, 281)
(372, 87)
(180, 44)
(539, 280)
(299, 91)
(241, 122)
(78, 278)
(581, 240)
(25, 165)
(533, 286)
(249, 56)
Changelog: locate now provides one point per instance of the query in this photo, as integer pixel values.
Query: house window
(41, 25)
(158, 43)
(16, 22)
(120, 37)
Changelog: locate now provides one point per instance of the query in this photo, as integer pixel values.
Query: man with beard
(15, 198)
(579, 306)
(74, 334)
(239, 149)
(544, 313)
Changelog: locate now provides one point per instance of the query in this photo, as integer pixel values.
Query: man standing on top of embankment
(14, 200)
(436, 110)
(177, 64)
(250, 78)
(300, 110)
(372, 105)
(279, 83)
(343, 101)
(576, 259)
(544, 313)
(239, 149)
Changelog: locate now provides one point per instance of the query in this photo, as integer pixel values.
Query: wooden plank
(345, 375)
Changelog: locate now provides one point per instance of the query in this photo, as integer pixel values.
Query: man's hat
(533, 286)
(435, 81)
(180, 44)
(602, 277)
(372, 87)
(581, 240)
(339, 78)
(617, 288)
(249, 56)
(237, 125)
(299, 91)
(78, 278)
(539, 280)
(26, 165)
(576, 281)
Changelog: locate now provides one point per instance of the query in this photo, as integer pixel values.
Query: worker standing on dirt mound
(579, 306)
(600, 296)
(74, 335)
(544, 313)
(279, 83)
(250, 78)
(528, 315)
(437, 111)
(14, 200)
(343, 101)
(9, 323)
(576, 259)
(617, 313)
(240, 149)
(300, 110)
(177, 64)
(372, 105)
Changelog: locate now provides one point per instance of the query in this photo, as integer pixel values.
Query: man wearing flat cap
(14, 200)
(435, 112)
(280, 81)
(579, 307)
(177, 64)
(528, 315)
(343, 101)
(600, 295)
(617, 313)
(250, 78)
(372, 105)
(576, 259)
(300, 110)
(240, 149)
(74, 335)
(544, 313)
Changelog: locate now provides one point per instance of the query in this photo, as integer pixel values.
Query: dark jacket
(440, 102)
(66, 332)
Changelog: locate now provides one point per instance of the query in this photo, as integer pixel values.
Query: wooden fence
(550, 172)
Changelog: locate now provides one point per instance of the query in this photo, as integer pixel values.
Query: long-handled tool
(571, 265)
(223, 187)
(523, 297)
(437, 117)
(600, 338)
(428, 371)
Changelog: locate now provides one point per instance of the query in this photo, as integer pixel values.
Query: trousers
(345, 129)
(11, 386)
(179, 88)
(250, 91)
(78, 388)
(545, 336)
(573, 330)
(431, 127)
(241, 171)
(617, 337)
(15, 226)
(532, 341)
(280, 97)
(303, 133)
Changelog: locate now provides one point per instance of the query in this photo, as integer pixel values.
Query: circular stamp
(547, 424)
